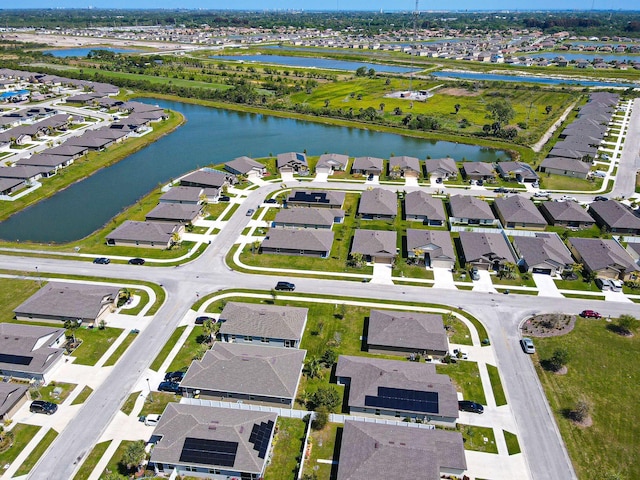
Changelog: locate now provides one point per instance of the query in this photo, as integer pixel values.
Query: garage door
(546, 271)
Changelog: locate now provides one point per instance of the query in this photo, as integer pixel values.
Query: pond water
(210, 136)
(528, 79)
(607, 57)
(309, 62)
(83, 52)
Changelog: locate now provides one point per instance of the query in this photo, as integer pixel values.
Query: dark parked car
(136, 261)
(600, 198)
(285, 286)
(172, 387)
(474, 273)
(501, 190)
(201, 320)
(224, 198)
(271, 200)
(40, 406)
(101, 260)
(174, 377)
(469, 406)
(250, 212)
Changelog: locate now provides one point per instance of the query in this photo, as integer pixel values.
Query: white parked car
(568, 198)
(542, 194)
(151, 420)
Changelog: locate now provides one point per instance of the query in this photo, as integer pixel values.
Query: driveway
(545, 285)
(287, 177)
(484, 284)
(411, 181)
(321, 177)
(382, 273)
(374, 181)
(615, 297)
(443, 278)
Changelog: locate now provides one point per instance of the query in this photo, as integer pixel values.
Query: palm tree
(312, 368)
(382, 105)
(210, 329)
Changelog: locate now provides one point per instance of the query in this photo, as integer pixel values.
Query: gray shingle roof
(205, 179)
(441, 166)
(367, 374)
(569, 164)
(370, 451)
(518, 209)
(437, 242)
(269, 321)
(615, 214)
(324, 198)
(334, 160)
(488, 246)
(22, 172)
(182, 194)
(405, 163)
(10, 394)
(367, 163)
(378, 201)
(247, 369)
(478, 168)
(73, 300)
(43, 160)
(30, 343)
(419, 202)
(378, 243)
(566, 212)
(598, 254)
(160, 232)
(179, 421)
(420, 331)
(66, 150)
(179, 212)
(543, 248)
(308, 239)
(308, 216)
(244, 164)
(518, 168)
(466, 206)
(291, 159)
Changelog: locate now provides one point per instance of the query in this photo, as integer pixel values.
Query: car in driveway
(459, 353)
(590, 314)
(600, 198)
(568, 198)
(271, 200)
(604, 284)
(40, 406)
(527, 345)
(151, 420)
(286, 286)
(172, 387)
(136, 261)
(102, 261)
(474, 273)
(202, 319)
(469, 406)
(224, 198)
(174, 377)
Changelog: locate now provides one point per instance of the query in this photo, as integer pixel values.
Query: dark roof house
(544, 253)
(488, 251)
(433, 247)
(469, 210)
(375, 245)
(568, 214)
(615, 217)
(367, 165)
(308, 217)
(517, 211)
(316, 198)
(604, 258)
(441, 167)
(378, 203)
(421, 206)
(146, 234)
(307, 242)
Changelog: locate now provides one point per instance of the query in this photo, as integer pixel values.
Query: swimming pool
(6, 95)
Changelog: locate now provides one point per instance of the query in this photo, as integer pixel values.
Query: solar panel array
(15, 359)
(209, 452)
(402, 399)
(260, 435)
(316, 197)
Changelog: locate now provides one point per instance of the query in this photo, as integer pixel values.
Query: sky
(377, 5)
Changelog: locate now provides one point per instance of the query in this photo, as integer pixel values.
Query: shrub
(321, 418)
(325, 397)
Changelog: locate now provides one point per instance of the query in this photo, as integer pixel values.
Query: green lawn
(129, 403)
(46, 392)
(513, 446)
(520, 280)
(496, 385)
(12, 293)
(92, 460)
(23, 434)
(115, 356)
(474, 438)
(214, 210)
(325, 445)
(83, 395)
(561, 182)
(114, 464)
(188, 351)
(144, 300)
(287, 449)
(160, 358)
(466, 376)
(36, 453)
(576, 285)
(608, 380)
(95, 342)
(158, 402)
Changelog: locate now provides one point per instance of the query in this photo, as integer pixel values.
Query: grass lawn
(466, 376)
(83, 395)
(92, 460)
(229, 213)
(325, 445)
(158, 402)
(189, 349)
(160, 358)
(513, 446)
(23, 434)
(561, 182)
(586, 297)
(609, 381)
(457, 331)
(115, 356)
(36, 453)
(591, 232)
(95, 342)
(520, 280)
(496, 385)
(46, 393)
(12, 293)
(130, 402)
(144, 299)
(114, 464)
(287, 449)
(214, 210)
(576, 285)
(401, 269)
(478, 439)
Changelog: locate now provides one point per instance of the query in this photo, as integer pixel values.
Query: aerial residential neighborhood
(377, 259)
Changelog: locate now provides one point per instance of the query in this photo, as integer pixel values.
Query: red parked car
(590, 314)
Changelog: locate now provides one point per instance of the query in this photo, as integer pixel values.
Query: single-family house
(251, 374)
(420, 206)
(615, 217)
(59, 301)
(212, 442)
(566, 214)
(404, 166)
(184, 195)
(266, 325)
(367, 165)
(391, 332)
(30, 352)
(10, 185)
(378, 203)
(208, 178)
(245, 166)
(73, 151)
(55, 162)
(378, 246)
(544, 253)
(145, 234)
(304, 242)
(478, 171)
(316, 198)
(567, 167)
(469, 210)
(292, 162)
(633, 249)
(308, 217)
(331, 162)
(26, 173)
(175, 213)
(604, 258)
(397, 389)
(433, 247)
(12, 397)
(441, 167)
(371, 450)
(518, 171)
(517, 211)
(486, 251)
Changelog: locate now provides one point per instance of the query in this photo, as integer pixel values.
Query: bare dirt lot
(459, 92)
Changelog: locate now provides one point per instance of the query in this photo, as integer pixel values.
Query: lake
(528, 79)
(210, 136)
(607, 57)
(312, 62)
(83, 52)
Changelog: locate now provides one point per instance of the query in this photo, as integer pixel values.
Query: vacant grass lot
(83, 395)
(95, 342)
(466, 376)
(12, 293)
(561, 182)
(157, 402)
(287, 449)
(36, 453)
(601, 370)
(325, 445)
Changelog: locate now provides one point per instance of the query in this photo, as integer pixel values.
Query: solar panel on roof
(403, 399)
(209, 452)
(15, 359)
(260, 436)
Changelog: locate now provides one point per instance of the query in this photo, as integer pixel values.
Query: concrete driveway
(443, 278)
(411, 181)
(484, 284)
(374, 181)
(545, 285)
(382, 273)
(321, 177)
